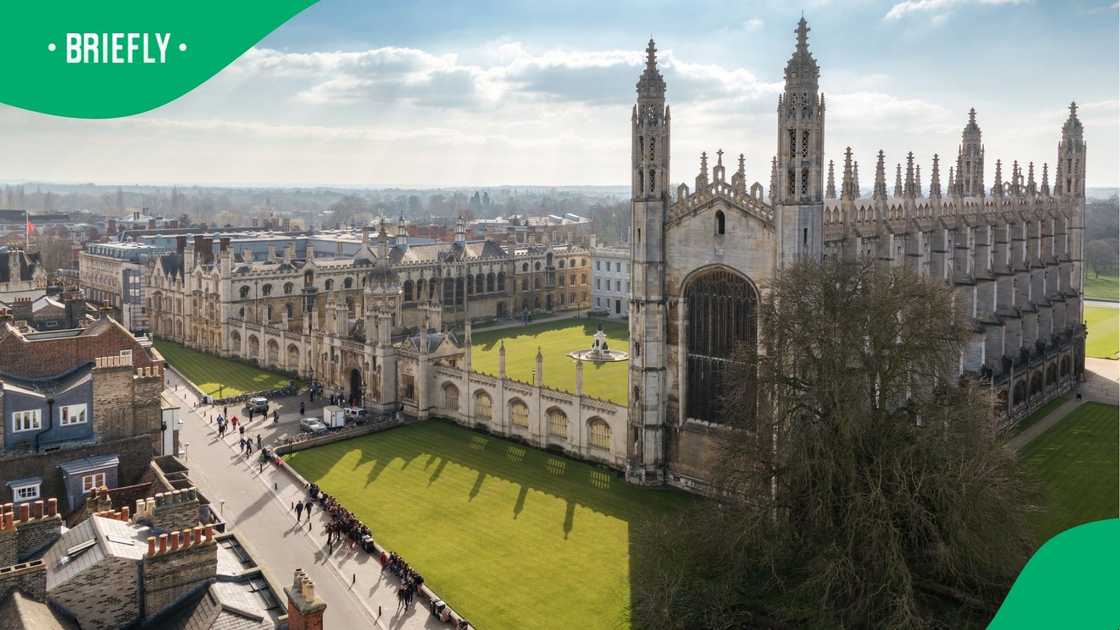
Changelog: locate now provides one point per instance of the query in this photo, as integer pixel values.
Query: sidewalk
(259, 506)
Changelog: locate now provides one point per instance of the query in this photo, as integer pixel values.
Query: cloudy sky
(438, 93)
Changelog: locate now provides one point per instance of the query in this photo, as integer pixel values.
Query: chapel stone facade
(703, 257)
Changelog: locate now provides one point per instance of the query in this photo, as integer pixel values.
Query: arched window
(519, 413)
(266, 289)
(244, 291)
(450, 397)
(524, 266)
(561, 265)
(288, 310)
(501, 281)
(407, 290)
(480, 283)
(348, 283)
(722, 319)
(557, 423)
(536, 266)
(328, 285)
(288, 288)
(470, 285)
(599, 433)
(483, 406)
(721, 226)
(490, 282)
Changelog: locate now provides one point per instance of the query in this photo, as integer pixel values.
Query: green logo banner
(110, 58)
(1071, 582)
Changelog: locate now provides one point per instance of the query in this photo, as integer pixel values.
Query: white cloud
(753, 24)
(939, 8)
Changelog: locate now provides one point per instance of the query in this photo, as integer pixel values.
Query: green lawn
(209, 372)
(1102, 288)
(1103, 323)
(556, 340)
(1039, 414)
(510, 536)
(1077, 461)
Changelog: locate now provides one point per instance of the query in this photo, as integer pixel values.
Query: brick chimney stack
(305, 609)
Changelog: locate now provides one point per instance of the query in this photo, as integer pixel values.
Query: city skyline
(425, 95)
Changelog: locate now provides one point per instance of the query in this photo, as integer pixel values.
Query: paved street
(258, 507)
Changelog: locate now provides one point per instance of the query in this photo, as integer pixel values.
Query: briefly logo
(117, 48)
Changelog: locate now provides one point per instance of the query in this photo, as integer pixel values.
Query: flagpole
(27, 230)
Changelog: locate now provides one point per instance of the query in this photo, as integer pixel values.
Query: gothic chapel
(703, 254)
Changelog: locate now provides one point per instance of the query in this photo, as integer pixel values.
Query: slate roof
(20, 611)
(69, 555)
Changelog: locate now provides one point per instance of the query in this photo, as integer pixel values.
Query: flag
(30, 227)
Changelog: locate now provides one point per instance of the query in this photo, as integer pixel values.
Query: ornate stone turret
(898, 179)
(1045, 190)
(702, 177)
(846, 184)
(935, 180)
(1032, 187)
(1016, 179)
(970, 160)
(855, 179)
(909, 189)
(402, 232)
(997, 183)
(880, 191)
(917, 180)
(830, 188)
(1069, 177)
(739, 179)
(800, 172)
(952, 184)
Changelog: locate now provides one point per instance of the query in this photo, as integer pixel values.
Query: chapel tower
(970, 160)
(800, 157)
(649, 208)
(1069, 187)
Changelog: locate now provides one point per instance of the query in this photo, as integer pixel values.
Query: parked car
(312, 425)
(258, 403)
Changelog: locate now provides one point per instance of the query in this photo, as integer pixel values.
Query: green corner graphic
(1071, 582)
(89, 59)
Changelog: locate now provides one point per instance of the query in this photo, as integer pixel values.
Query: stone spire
(970, 160)
(739, 179)
(1045, 190)
(773, 180)
(402, 232)
(1016, 178)
(997, 184)
(702, 178)
(1032, 188)
(898, 190)
(830, 187)
(935, 179)
(909, 189)
(802, 71)
(880, 191)
(846, 180)
(855, 179)
(952, 184)
(651, 84)
(917, 180)
(1069, 176)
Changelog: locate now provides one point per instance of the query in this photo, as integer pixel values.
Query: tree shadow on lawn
(488, 340)
(577, 483)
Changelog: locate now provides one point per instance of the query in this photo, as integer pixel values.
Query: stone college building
(701, 256)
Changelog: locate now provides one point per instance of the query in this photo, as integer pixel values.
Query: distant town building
(610, 268)
(540, 230)
(112, 275)
(22, 277)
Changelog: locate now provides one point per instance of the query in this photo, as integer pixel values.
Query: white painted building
(610, 273)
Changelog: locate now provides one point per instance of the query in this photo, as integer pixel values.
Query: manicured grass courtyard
(556, 340)
(211, 373)
(1101, 288)
(1076, 462)
(1103, 323)
(510, 536)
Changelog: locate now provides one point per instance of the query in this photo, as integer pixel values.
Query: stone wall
(29, 578)
(176, 565)
(104, 596)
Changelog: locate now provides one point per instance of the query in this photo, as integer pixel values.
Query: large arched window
(519, 413)
(557, 423)
(483, 406)
(599, 433)
(266, 289)
(721, 227)
(722, 322)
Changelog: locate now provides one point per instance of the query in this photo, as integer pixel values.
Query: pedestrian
(309, 508)
(225, 410)
(275, 416)
(299, 510)
(379, 611)
(301, 407)
(258, 441)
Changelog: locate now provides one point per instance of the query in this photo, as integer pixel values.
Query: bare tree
(866, 488)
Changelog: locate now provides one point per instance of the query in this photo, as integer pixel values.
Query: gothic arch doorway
(355, 387)
(722, 321)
